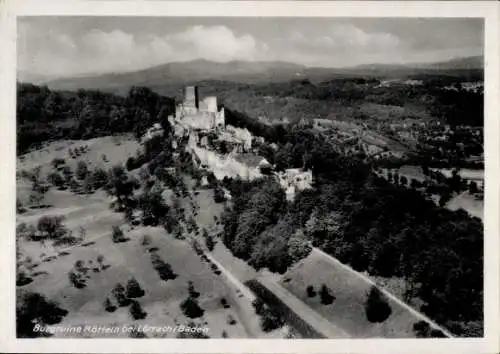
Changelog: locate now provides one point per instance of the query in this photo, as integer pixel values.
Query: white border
(489, 10)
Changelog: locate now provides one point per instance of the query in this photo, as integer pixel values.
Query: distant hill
(178, 73)
(469, 63)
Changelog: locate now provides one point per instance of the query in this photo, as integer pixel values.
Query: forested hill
(46, 115)
(363, 220)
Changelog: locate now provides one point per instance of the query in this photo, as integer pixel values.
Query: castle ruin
(199, 114)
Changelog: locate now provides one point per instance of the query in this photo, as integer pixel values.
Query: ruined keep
(199, 115)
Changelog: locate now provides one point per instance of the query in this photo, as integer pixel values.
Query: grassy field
(115, 150)
(348, 309)
(122, 261)
(391, 112)
(469, 203)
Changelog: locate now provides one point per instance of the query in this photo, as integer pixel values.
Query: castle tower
(211, 104)
(191, 97)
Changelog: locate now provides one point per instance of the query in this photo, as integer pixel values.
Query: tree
(55, 179)
(117, 235)
(298, 246)
(134, 290)
(310, 291)
(38, 191)
(67, 173)
(19, 206)
(153, 207)
(35, 308)
(52, 227)
(377, 308)
(88, 184)
(191, 309)
(326, 297)
(473, 188)
(120, 296)
(164, 269)
(404, 181)
(209, 240)
(108, 305)
(99, 178)
(120, 186)
(100, 259)
(57, 162)
(271, 320)
(136, 311)
(192, 292)
(82, 170)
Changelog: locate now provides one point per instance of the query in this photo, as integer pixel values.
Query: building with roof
(293, 180)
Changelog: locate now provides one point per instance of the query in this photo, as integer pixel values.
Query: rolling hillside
(179, 73)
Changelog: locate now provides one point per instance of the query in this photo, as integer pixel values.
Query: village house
(293, 180)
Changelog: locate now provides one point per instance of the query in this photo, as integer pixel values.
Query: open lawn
(130, 259)
(122, 261)
(467, 202)
(101, 152)
(348, 309)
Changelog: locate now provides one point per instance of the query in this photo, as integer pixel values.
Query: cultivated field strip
(411, 310)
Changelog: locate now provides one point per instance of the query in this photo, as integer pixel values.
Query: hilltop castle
(196, 114)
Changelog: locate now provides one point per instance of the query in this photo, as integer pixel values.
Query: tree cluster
(46, 115)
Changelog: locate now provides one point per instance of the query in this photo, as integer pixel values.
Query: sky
(71, 46)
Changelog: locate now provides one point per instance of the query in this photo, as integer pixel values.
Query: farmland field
(348, 309)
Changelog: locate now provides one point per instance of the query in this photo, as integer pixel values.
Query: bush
(120, 296)
(271, 320)
(164, 269)
(421, 329)
(219, 195)
(108, 305)
(117, 235)
(57, 162)
(22, 278)
(436, 333)
(192, 292)
(55, 179)
(326, 297)
(230, 320)
(191, 309)
(34, 307)
(51, 227)
(224, 303)
(310, 291)
(136, 311)
(99, 178)
(209, 242)
(77, 279)
(376, 307)
(81, 170)
(130, 164)
(20, 207)
(134, 290)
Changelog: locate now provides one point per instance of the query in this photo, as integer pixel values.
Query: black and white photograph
(212, 177)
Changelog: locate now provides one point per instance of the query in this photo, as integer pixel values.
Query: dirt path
(414, 312)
